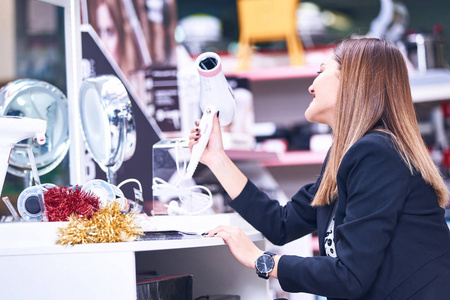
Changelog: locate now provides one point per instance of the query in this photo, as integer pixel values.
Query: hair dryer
(14, 130)
(215, 96)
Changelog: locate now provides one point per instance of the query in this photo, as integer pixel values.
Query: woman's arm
(215, 158)
(241, 247)
(279, 224)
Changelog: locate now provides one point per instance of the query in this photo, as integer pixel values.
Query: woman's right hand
(214, 148)
(215, 158)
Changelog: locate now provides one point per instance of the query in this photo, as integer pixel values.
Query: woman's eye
(318, 72)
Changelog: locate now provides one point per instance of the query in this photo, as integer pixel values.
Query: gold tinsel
(108, 225)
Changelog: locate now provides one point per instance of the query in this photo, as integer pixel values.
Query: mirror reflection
(33, 47)
(108, 124)
(38, 100)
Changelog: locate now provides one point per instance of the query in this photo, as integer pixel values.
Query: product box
(161, 287)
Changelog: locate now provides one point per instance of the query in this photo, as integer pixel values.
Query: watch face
(265, 263)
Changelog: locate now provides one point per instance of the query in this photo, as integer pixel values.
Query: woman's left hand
(240, 245)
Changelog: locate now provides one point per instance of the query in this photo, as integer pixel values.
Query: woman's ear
(338, 74)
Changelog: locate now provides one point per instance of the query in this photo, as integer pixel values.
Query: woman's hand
(215, 158)
(240, 245)
(214, 146)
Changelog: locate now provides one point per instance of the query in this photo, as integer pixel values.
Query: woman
(378, 203)
(106, 17)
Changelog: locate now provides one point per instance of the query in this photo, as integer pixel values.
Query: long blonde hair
(375, 93)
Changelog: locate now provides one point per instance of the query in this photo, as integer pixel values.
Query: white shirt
(330, 248)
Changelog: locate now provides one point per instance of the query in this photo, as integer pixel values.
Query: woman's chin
(309, 115)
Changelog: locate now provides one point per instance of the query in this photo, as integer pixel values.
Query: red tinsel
(62, 202)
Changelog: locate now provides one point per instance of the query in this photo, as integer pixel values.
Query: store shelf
(279, 73)
(272, 159)
(40, 238)
(295, 158)
(31, 260)
(239, 155)
(432, 85)
(275, 65)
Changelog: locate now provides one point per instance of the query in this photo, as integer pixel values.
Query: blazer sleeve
(372, 186)
(279, 224)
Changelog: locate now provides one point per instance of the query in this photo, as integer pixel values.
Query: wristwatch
(264, 264)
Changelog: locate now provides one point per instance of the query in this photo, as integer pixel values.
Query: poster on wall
(138, 38)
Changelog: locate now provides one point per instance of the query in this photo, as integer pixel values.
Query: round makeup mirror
(108, 124)
(39, 100)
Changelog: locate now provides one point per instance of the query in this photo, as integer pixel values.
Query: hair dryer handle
(206, 124)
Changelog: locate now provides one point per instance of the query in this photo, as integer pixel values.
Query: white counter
(34, 267)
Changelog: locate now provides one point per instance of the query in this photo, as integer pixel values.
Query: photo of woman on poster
(159, 19)
(113, 28)
(139, 36)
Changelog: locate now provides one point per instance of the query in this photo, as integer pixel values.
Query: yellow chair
(267, 21)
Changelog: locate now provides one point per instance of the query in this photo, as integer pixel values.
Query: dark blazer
(391, 237)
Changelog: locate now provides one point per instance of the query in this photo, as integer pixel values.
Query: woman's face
(108, 31)
(325, 90)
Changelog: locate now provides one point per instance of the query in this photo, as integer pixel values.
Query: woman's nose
(311, 89)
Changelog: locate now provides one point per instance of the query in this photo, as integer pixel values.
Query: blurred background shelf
(274, 65)
(295, 158)
(428, 86)
(432, 85)
(272, 159)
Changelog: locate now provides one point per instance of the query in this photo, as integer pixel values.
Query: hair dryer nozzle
(215, 96)
(14, 130)
(17, 129)
(215, 91)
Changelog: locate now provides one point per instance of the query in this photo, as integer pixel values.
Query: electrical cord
(186, 195)
(130, 180)
(136, 206)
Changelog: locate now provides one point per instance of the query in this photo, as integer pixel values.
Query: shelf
(240, 155)
(433, 85)
(272, 159)
(40, 238)
(279, 73)
(31, 259)
(271, 65)
(295, 158)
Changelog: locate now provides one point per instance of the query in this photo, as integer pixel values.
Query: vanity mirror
(40, 75)
(41, 41)
(107, 121)
(37, 100)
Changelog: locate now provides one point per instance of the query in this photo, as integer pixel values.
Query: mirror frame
(72, 44)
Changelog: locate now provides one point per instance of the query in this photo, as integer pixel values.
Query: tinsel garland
(107, 225)
(62, 202)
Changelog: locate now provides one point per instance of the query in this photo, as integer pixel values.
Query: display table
(34, 267)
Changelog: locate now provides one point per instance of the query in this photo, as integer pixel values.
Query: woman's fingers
(213, 232)
(195, 129)
(240, 245)
(193, 141)
(195, 135)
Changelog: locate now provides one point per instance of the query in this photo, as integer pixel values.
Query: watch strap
(271, 254)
